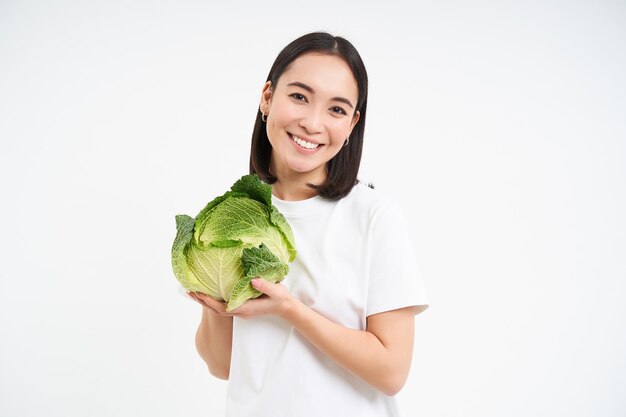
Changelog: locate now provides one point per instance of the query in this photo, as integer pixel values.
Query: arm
(380, 355)
(214, 336)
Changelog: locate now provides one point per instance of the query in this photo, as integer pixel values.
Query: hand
(275, 300)
(211, 305)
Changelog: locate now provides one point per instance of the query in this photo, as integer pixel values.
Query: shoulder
(371, 203)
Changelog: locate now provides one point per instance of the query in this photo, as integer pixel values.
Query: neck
(292, 186)
(292, 191)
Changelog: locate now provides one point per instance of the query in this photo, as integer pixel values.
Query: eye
(338, 110)
(298, 96)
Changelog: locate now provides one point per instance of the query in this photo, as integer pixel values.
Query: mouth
(303, 143)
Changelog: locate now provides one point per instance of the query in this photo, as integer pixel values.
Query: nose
(312, 121)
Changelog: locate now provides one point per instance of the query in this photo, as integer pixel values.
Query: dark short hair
(343, 169)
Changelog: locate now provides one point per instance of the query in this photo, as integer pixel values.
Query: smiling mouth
(303, 143)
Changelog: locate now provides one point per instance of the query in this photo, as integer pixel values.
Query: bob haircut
(342, 170)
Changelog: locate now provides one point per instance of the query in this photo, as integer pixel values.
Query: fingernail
(255, 282)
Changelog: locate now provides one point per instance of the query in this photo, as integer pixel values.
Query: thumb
(262, 285)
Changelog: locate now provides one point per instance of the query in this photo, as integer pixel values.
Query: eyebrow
(310, 90)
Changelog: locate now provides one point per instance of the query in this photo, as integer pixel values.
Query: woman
(335, 337)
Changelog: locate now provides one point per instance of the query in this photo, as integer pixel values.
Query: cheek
(283, 112)
(341, 131)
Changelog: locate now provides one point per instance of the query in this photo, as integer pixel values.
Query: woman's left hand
(275, 300)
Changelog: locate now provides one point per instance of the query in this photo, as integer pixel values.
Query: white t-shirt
(355, 258)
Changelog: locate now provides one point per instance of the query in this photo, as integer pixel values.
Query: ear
(266, 97)
(355, 120)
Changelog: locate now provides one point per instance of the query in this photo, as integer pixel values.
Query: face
(310, 113)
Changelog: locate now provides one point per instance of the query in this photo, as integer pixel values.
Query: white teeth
(304, 143)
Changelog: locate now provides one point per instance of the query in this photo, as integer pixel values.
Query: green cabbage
(235, 238)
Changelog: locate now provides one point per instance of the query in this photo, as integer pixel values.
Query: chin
(303, 168)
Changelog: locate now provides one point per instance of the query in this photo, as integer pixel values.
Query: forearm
(359, 351)
(214, 342)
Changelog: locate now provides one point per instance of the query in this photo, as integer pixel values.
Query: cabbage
(235, 238)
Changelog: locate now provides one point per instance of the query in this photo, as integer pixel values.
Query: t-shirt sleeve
(395, 280)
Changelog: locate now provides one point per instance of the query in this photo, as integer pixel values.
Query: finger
(217, 306)
(262, 285)
(253, 307)
(194, 297)
(197, 299)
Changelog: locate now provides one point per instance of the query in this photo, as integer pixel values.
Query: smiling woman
(336, 335)
(309, 116)
(322, 92)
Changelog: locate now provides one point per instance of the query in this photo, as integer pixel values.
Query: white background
(498, 125)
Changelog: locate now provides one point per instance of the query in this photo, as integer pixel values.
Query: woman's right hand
(211, 305)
